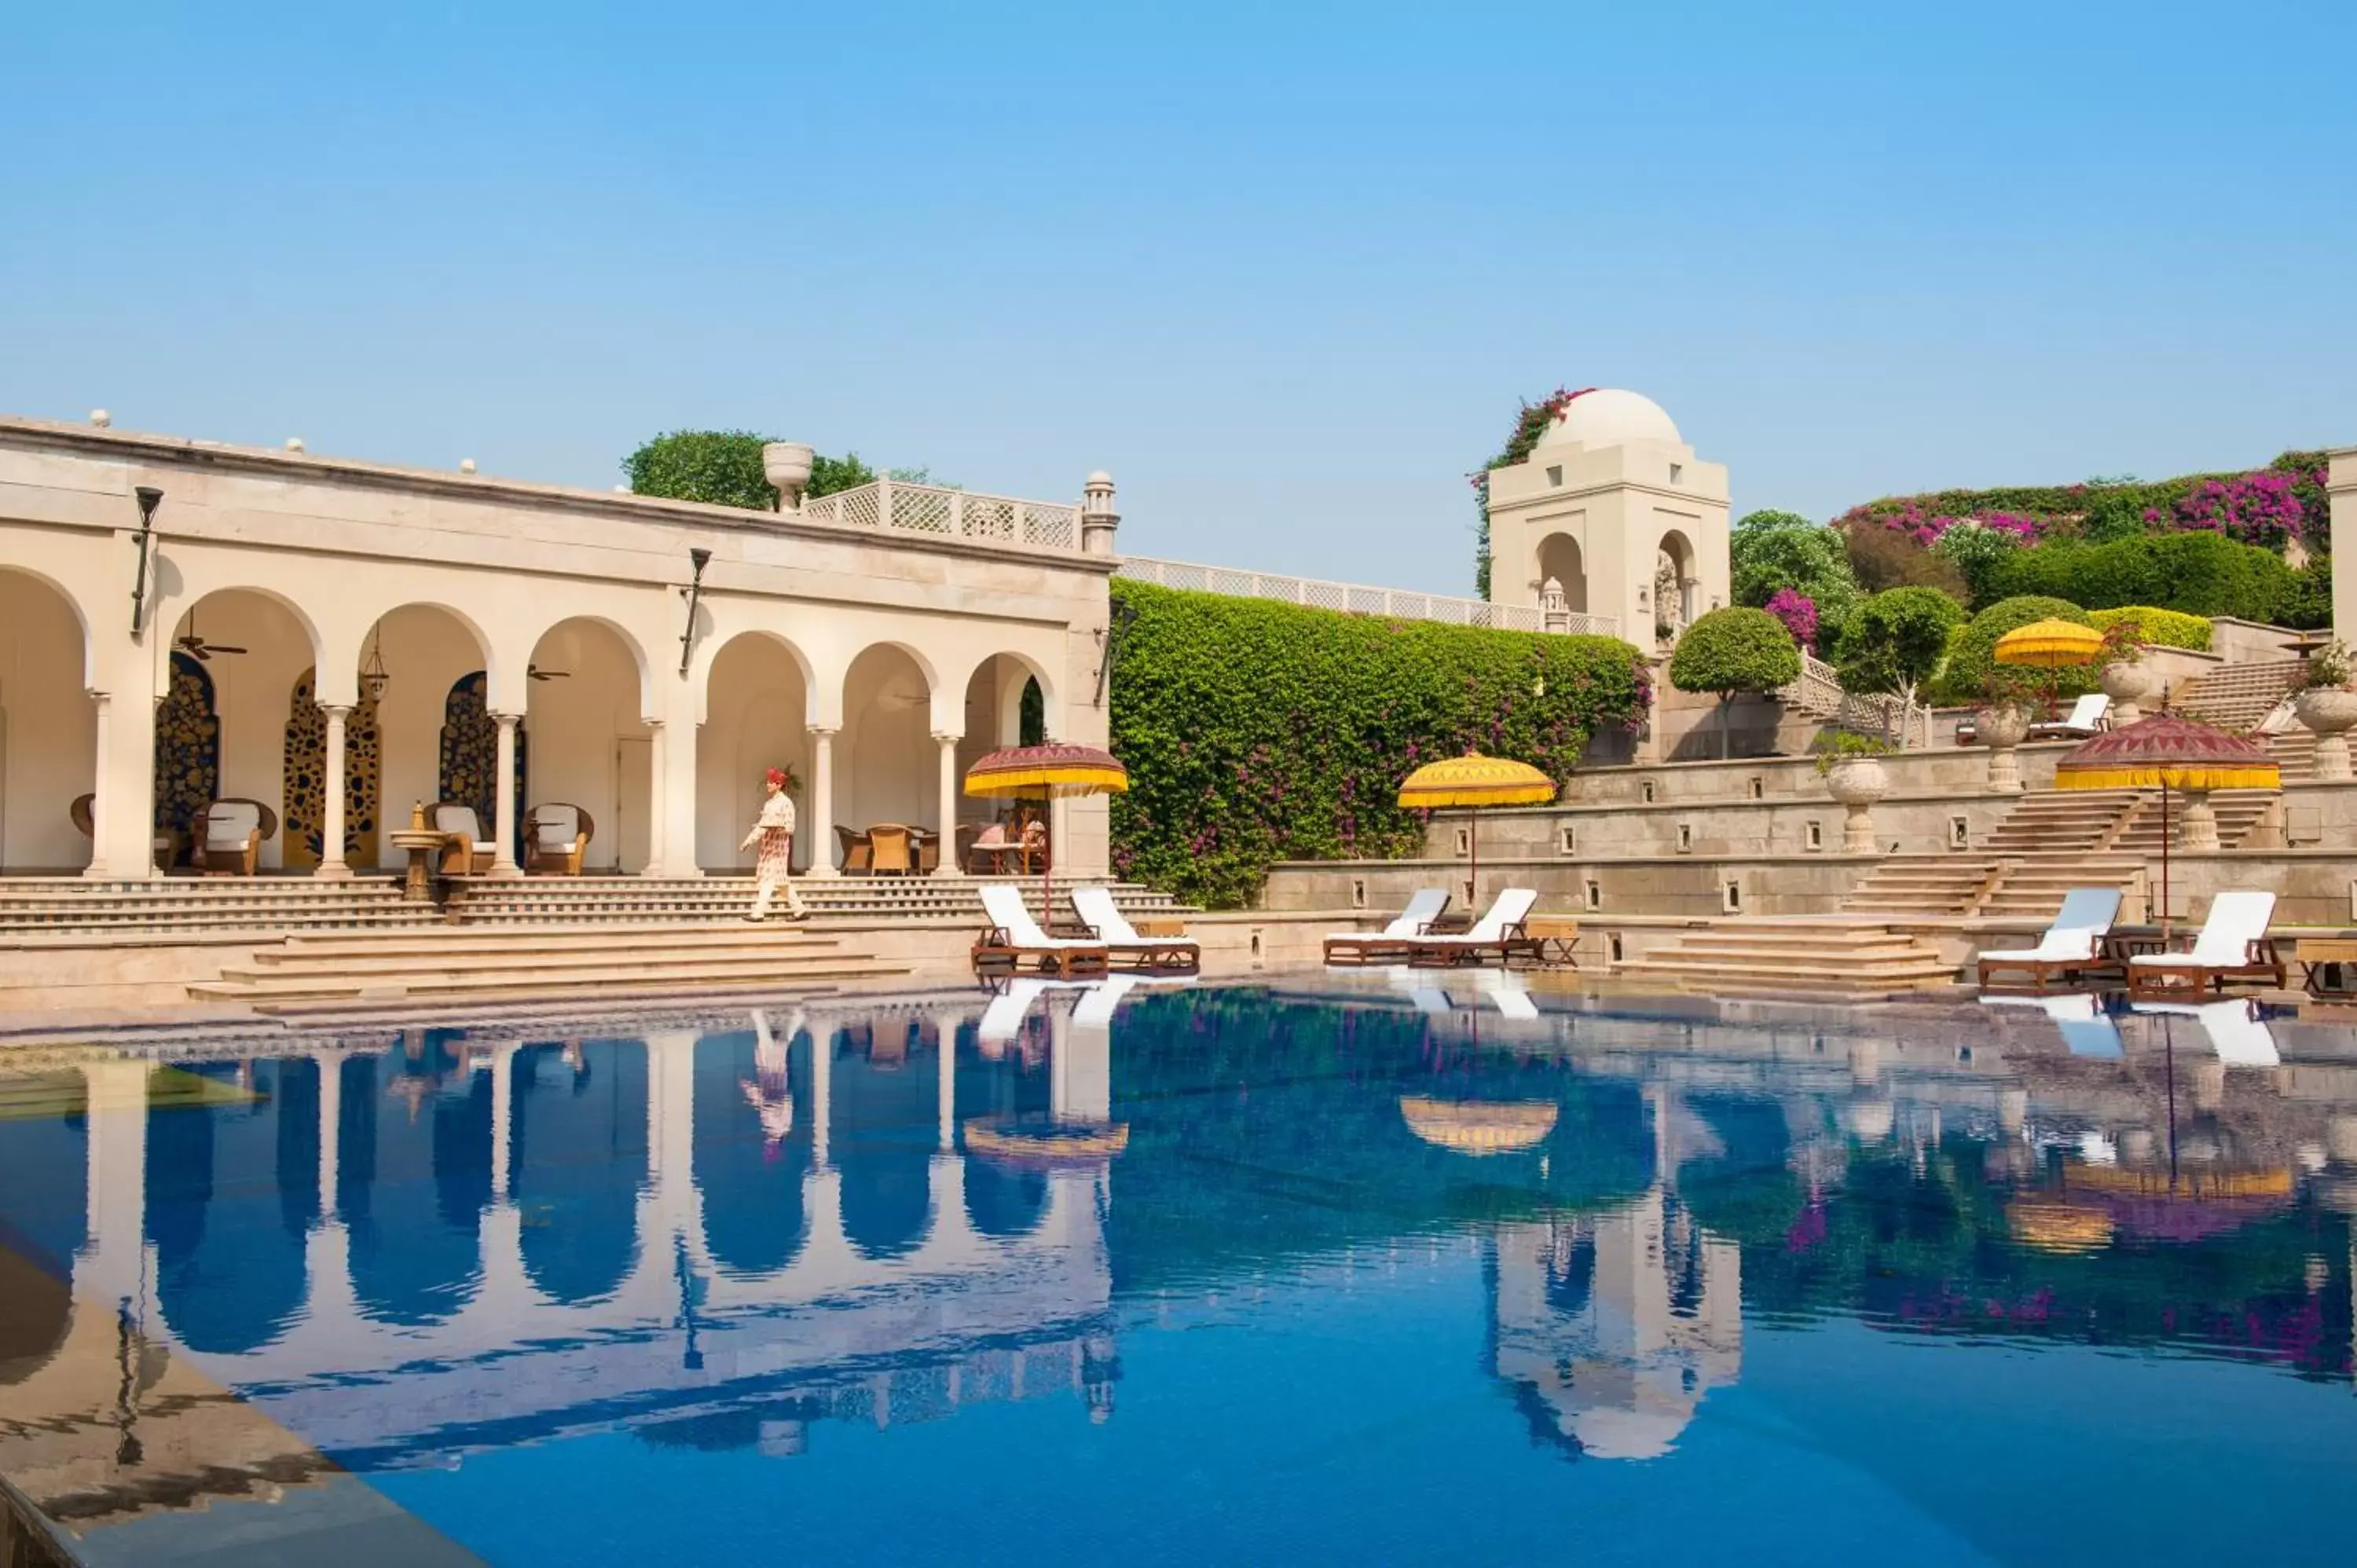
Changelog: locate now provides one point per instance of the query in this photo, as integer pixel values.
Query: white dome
(1607, 416)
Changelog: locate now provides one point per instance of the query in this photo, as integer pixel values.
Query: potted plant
(2321, 698)
(2125, 678)
(1853, 775)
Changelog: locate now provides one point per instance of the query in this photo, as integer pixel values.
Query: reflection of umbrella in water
(1479, 1126)
(2171, 752)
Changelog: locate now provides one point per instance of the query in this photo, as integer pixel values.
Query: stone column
(332, 796)
(821, 787)
(504, 861)
(332, 1126)
(822, 1039)
(102, 818)
(502, 1122)
(110, 1266)
(949, 745)
(946, 1133)
(658, 815)
(1099, 521)
(676, 793)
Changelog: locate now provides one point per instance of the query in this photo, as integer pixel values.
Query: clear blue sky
(1285, 270)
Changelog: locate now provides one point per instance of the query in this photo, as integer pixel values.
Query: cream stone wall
(2341, 483)
(864, 644)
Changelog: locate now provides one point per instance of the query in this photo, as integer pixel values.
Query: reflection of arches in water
(414, 1174)
(228, 1233)
(1005, 1201)
(886, 1106)
(754, 1221)
(580, 1159)
(1571, 1268)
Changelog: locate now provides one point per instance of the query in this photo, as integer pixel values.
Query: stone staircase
(59, 906)
(2033, 890)
(2061, 821)
(314, 973)
(2237, 811)
(588, 900)
(1852, 960)
(2237, 696)
(2295, 753)
(1925, 885)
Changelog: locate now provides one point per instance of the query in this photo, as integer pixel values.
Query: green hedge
(2197, 574)
(1972, 655)
(1257, 732)
(2157, 627)
(2099, 509)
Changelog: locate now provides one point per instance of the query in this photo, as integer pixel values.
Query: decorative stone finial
(101, 418)
(621, 490)
(1097, 520)
(1554, 608)
(294, 444)
(465, 464)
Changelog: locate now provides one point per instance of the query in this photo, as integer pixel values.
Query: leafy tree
(1972, 658)
(1783, 551)
(1887, 558)
(724, 467)
(1977, 552)
(1898, 640)
(2307, 601)
(1733, 650)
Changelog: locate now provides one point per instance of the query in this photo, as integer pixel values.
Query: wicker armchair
(857, 852)
(889, 851)
(465, 851)
(557, 834)
(229, 838)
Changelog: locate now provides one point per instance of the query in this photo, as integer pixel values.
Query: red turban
(777, 778)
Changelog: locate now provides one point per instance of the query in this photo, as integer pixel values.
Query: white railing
(1358, 598)
(905, 508)
(1818, 693)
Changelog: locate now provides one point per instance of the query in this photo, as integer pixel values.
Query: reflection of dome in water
(1607, 416)
(1479, 1126)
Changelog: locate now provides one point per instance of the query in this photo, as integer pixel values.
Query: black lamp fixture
(1109, 641)
(150, 498)
(702, 558)
(374, 676)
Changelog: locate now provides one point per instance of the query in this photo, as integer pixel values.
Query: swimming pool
(1311, 1270)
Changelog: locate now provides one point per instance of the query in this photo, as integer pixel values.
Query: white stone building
(209, 620)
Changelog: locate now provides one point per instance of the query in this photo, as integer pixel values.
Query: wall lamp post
(693, 592)
(150, 498)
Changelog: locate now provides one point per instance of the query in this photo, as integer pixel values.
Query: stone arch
(467, 771)
(1560, 560)
(993, 688)
(580, 1159)
(49, 725)
(1677, 581)
(882, 1112)
(187, 753)
(757, 698)
(886, 766)
(231, 1189)
(237, 651)
(752, 1151)
(627, 639)
(231, 619)
(587, 693)
(425, 649)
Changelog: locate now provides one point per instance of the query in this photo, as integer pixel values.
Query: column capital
(505, 719)
(340, 710)
(948, 737)
(827, 731)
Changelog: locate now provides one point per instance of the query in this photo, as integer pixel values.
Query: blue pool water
(1276, 1273)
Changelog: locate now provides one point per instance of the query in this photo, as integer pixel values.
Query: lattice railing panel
(900, 508)
(1358, 598)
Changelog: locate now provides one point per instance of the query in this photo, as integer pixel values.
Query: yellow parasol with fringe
(1055, 770)
(2050, 645)
(1474, 780)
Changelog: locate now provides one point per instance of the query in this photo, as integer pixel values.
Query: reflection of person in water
(768, 1091)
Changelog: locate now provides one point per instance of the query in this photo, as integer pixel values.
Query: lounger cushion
(556, 826)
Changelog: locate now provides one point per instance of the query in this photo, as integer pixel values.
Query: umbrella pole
(2164, 862)
(1473, 843)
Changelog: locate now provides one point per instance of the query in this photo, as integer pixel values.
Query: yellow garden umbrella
(1474, 780)
(1057, 770)
(2050, 645)
(2172, 752)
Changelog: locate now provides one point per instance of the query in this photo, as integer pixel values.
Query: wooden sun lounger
(1390, 945)
(2234, 945)
(1013, 938)
(1499, 934)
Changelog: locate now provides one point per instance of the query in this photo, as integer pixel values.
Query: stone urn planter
(2002, 729)
(2128, 683)
(1857, 782)
(2331, 711)
(787, 465)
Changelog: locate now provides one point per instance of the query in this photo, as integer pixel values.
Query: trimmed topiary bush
(2157, 627)
(1898, 640)
(2197, 574)
(1733, 650)
(1972, 658)
(1256, 732)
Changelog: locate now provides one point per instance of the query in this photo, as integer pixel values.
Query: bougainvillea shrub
(1256, 732)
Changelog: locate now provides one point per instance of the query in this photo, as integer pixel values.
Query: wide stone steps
(1922, 884)
(2295, 754)
(465, 965)
(2061, 821)
(2237, 696)
(572, 900)
(2035, 889)
(1736, 957)
(2238, 811)
(172, 905)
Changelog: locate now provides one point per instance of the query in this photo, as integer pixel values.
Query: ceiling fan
(535, 672)
(189, 641)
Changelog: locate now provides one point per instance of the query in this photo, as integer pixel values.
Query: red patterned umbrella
(2174, 753)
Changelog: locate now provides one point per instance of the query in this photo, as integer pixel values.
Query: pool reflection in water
(1387, 1274)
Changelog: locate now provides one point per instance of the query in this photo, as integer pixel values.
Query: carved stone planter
(2001, 730)
(1857, 784)
(2331, 711)
(787, 465)
(2127, 684)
